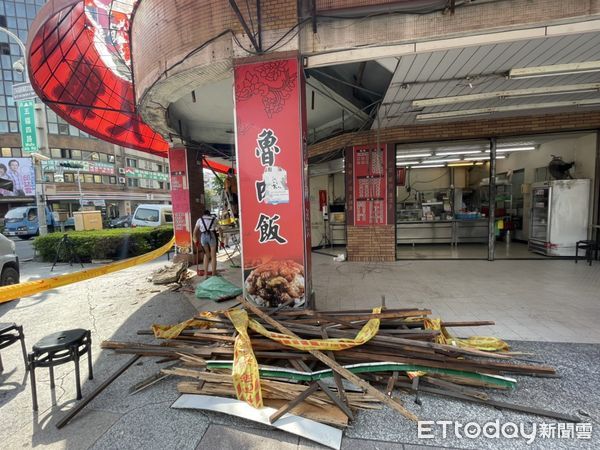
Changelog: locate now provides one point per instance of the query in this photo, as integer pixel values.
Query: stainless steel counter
(454, 231)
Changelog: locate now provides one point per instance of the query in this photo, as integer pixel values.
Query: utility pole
(42, 132)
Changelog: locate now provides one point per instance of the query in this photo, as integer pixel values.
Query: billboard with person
(17, 177)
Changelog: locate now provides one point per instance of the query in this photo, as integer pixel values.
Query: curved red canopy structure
(80, 66)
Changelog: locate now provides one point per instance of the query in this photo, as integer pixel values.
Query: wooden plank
(83, 403)
(330, 416)
(294, 402)
(335, 366)
(336, 376)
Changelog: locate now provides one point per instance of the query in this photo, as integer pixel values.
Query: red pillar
(371, 202)
(270, 115)
(187, 195)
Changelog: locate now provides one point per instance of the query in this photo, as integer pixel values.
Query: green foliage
(116, 243)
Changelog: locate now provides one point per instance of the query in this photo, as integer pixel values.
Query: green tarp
(217, 289)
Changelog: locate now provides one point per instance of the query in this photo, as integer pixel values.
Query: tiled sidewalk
(546, 300)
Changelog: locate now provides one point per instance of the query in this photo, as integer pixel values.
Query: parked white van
(152, 215)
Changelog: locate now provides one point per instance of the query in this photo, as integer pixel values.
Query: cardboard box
(87, 220)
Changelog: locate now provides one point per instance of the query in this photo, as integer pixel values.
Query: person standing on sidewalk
(205, 232)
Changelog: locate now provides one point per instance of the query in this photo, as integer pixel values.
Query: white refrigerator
(559, 216)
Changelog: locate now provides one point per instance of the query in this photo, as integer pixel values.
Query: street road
(24, 248)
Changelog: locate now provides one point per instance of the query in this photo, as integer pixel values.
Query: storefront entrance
(443, 197)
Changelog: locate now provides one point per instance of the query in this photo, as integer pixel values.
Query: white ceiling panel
(473, 70)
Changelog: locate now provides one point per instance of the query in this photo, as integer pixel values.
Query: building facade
(460, 87)
(82, 171)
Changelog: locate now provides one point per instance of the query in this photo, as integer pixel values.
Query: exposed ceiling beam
(550, 90)
(555, 70)
(495, 109)
(337, 98)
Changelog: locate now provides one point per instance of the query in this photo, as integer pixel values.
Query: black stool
(9, 334)
(60, 348)
(591, 250)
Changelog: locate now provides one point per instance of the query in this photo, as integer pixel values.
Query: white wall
(581, 149)
(336, 191)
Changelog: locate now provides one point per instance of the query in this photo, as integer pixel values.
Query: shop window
(105, 179)
(133, 182)
(68, 177)
(3, 21)
(75, 154)
(16, 152)
(4, 48)
(132, 162)
(6, 152)
(161, 185)
(95, 156)
(98, 179)
(113, 180)
(88, 178)
(63, 128)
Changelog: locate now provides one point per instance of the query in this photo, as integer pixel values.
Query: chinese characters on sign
(95, 167)
(180, 198)
(269, 230)
(271, 163)
(272, 189)
(370, 186)
(27, 126)
(134, 172)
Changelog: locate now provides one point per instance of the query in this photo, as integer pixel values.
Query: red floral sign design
(271, 81)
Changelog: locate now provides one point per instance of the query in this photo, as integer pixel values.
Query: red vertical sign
(370, 185)
(180, 198)
(271, 160)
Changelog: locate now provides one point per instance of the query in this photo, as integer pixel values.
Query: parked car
(9, 262)
(120, 222)
(152, 215)
(23, 222)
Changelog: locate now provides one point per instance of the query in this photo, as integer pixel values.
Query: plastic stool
(9, 334)
(60, 348)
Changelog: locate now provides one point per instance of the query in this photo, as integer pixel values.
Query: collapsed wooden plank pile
(331, 386)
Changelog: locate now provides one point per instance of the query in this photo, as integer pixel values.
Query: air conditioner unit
(121, 170)
(122, 180)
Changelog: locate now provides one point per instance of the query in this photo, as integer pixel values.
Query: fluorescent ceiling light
(477, 158)
(516, 93)
(514, 149)
(483, 158)
(407, 163)
(435, 161)
(557, 69)
(442, 115)
(461, 152)
(428, 167)
(464, 164)
(494, 109)
(414, 155)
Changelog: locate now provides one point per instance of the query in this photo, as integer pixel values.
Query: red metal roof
(79, 65)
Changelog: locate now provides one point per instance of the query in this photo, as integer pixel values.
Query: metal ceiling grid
(449, 73)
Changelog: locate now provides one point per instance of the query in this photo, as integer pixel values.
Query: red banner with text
(370, 185)
(271, 161)
(180, 198)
